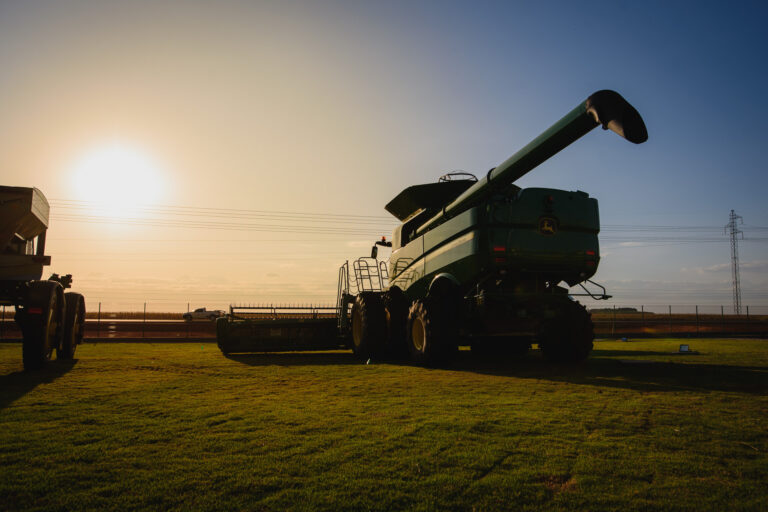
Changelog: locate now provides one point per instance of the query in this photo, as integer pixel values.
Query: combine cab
(49, 318)
(480, 262)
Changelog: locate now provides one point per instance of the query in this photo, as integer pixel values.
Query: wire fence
(165, 320)
(679, 320)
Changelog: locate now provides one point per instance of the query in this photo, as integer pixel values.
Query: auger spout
(606, 108)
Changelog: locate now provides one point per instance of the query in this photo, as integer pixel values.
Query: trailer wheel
(431, 331)
(569, 337)
(74, 320)
(368, 325)
(396, 317)
(42, 323)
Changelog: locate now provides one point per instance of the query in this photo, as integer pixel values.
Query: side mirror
(374, 252)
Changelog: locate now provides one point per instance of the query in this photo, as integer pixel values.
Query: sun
(118, 180)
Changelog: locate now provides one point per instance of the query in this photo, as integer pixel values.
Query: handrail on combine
(275, 312)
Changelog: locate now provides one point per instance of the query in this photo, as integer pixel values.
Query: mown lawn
(179, 426)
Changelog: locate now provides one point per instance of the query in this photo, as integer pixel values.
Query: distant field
(179, 426)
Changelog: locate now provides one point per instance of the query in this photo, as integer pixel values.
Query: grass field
(179, 426)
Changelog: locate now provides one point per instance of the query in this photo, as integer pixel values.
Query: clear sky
(245, 149)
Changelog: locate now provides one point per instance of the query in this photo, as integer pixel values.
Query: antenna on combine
(735, 220)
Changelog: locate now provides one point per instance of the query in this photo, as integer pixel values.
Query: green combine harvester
(49, 318)
(475, 262)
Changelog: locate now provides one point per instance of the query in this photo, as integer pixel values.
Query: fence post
(722, 318)
(144, 323)
(98, 323)
(747, 313)
(697, 320)
(187, 322)
(670, 320)
(642, 318)
(2, 326)
(613, 322)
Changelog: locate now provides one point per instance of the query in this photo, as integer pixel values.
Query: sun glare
(118, 180)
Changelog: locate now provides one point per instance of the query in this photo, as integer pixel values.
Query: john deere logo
(547, 226)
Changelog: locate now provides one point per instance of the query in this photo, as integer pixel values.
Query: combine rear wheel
(368, 325)
(569, 337)
(42, 323)
(74, 323)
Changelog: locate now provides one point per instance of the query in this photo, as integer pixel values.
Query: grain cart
(479, 262)
(48, 317)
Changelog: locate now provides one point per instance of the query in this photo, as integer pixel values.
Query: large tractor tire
(569, 337)
(396, 319)
(431, 334)
(74, 324)
(42, 323)
(368, 325)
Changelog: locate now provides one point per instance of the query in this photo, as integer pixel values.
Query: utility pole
(732, 226)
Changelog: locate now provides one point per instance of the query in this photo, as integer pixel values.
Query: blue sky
(333, 107)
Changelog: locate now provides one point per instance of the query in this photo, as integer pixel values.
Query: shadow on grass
(295, 358)
(601, 369)
(641, 375)
(17, 384)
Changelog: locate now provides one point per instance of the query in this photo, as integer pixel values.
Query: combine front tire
(73, 325)
(42, 323)
(432, 332)
(368, 325)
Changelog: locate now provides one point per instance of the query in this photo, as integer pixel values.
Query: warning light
(499, 248)
(590, 253)
(500, 260)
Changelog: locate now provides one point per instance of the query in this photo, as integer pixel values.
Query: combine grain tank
(48, 317)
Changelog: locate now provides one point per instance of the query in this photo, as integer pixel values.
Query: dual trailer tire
(42, 323)
(52, 320)
(74, 324)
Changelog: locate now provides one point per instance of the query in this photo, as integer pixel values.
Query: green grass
(179, 426)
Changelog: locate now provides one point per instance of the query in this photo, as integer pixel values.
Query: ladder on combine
(369, 275)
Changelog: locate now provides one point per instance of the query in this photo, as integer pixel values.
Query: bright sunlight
(118, 180)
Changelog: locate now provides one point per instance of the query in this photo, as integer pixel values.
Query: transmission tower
(732, 227)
